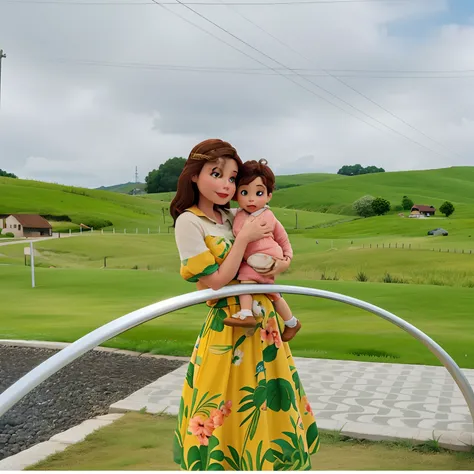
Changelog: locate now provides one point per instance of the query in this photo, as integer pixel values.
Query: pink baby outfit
(277, 246)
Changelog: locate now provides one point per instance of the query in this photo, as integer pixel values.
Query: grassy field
(415, 263)
(124, 211)
(430, 187)
(68, 303)
(419, 280)
(143, 442)
(80, 204)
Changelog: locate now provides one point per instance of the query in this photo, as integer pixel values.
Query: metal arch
(50, 366)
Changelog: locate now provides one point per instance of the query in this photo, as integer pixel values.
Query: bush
(380, 206)
(362, 276)
(392, 279)
(363, 206)
(407, 203)
(8, 235)
(325, 276)
(398, 208)
(446, 208)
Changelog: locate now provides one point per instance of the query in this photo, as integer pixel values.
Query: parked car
(438, 231)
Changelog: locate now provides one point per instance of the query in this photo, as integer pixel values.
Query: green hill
(124, 188)
(430, 187)
(105, 209)
(292, 180)
(81, 205)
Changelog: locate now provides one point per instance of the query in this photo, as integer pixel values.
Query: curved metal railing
(50, 366)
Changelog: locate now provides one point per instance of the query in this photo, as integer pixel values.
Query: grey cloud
(92, 125)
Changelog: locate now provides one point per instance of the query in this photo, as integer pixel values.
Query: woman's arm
(253, 229)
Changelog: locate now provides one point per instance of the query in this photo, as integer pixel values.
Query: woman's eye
(215, 174)
(232, 180)
(259, 193)
(243, 192)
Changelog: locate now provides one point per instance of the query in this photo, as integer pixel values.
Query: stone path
(362, 399)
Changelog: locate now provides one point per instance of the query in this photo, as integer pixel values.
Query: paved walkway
(362, 399)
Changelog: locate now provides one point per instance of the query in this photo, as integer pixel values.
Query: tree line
(7, 175)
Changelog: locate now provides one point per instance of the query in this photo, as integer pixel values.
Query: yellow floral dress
(243, 406)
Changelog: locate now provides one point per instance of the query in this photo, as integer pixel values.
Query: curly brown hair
(257, 169)
(187, 193)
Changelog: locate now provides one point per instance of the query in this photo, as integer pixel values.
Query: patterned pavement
(362, 399)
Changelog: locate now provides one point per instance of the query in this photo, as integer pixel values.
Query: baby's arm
(281, 237)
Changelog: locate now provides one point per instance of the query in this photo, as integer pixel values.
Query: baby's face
(254, 196)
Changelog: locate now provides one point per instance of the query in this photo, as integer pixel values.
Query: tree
(165, 178)
(380, 206)
(363, 206)
(355, 170)
(407, 203)
(447, 208)
(7, 175)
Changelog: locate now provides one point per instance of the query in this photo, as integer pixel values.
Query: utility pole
(136, 174)
(2, 55)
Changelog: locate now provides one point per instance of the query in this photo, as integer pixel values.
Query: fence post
(148, 230)
(124, 231)
(136, 232)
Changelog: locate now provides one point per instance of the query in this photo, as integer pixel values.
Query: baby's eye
(215, 174)
(243, 192)
(259, 193)
(232, 180)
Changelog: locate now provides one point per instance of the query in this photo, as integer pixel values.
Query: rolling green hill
(124, 188)
(430, 187)
(111, 209)
(82, 205)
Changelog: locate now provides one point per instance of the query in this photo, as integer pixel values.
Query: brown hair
(257, 169)
(187, 194)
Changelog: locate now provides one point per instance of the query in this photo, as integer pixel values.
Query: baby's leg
(292, 325)
(245, 317)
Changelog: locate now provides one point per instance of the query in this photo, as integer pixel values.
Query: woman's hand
(281, 265)
(255, 228)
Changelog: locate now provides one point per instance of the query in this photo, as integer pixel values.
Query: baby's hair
(257, 169)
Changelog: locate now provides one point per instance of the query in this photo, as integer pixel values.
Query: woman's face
(216, 181)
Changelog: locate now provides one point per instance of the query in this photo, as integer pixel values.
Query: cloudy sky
(93, 88)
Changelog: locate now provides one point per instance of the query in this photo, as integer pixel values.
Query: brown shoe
(290, 333)
(248, 322)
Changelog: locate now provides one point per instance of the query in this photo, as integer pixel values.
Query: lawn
(430, 187)
(143, 442)
(68, 303)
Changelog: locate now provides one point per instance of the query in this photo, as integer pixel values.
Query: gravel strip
(82, 390)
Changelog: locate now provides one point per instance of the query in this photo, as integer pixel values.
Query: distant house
(26, 225)
(421, 210)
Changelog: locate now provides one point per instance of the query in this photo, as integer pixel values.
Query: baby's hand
(281, 265)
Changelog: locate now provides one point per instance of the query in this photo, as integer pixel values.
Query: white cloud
(91, 125)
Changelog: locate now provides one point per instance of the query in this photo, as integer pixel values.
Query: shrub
(362, 276)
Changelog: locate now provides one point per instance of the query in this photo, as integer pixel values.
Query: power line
(151, 2)
(262, 63)
(263, 71)
(308, 80)
(337, 78)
